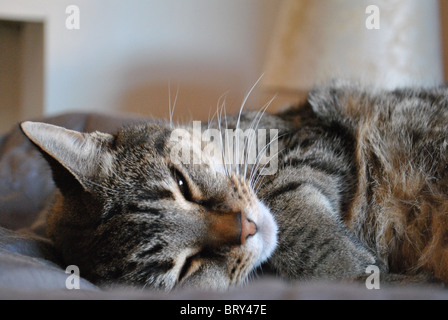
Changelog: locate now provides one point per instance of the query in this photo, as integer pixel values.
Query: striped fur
(362, 181)
(379, 159)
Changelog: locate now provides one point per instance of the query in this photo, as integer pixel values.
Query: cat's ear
(84, 155)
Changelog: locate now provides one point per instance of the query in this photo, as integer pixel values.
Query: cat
(362, 181)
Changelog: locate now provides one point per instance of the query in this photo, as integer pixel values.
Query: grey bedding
(30, 268)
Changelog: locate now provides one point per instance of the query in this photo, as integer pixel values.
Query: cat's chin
(267, 229)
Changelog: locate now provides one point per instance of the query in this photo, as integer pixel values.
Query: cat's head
(128, 212)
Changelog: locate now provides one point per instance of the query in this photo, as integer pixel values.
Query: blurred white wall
(126, 53)
(319, 40)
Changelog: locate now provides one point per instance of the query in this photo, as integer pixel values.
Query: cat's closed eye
(191, 264)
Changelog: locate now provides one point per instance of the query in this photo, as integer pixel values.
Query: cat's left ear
(84, 155)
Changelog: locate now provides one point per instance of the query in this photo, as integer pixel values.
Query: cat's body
(380, 159)
(362, 180)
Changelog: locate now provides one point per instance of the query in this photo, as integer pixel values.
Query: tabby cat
(362, 180)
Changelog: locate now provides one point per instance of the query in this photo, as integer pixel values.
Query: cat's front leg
(312, 242)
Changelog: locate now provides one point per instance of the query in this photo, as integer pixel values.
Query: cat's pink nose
(248, 228)
(228, 228)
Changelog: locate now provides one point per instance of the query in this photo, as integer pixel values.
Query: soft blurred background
(135, 56)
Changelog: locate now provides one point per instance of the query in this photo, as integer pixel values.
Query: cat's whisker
(236, 153)
(224, 138)
(254, 184)
(258, 159)
(253, 275)
(259, 184)
(262, 151)
(219, 119)
(259, 176)
(169, 104)
(229, 168)
(255, 169)
(253, 127)
(175, 102)
(172, 107)
(226, 128)
(248, 141)
(210, 120)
